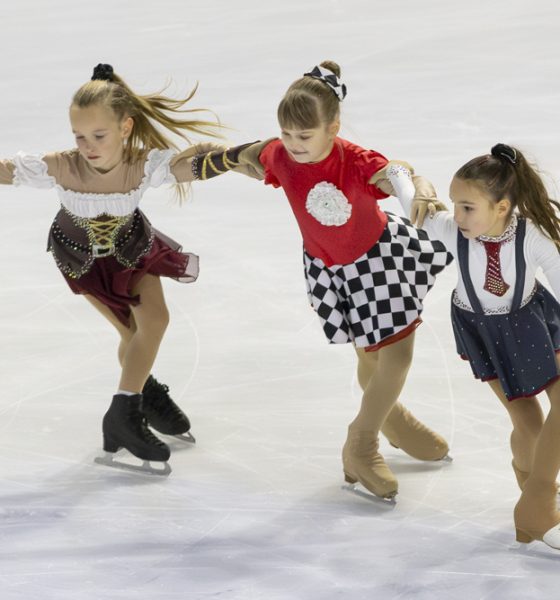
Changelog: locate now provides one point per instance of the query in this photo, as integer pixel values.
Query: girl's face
(310, 145)
(99, 135)
(475, 212)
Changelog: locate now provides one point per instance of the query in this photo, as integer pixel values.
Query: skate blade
(447, 458)
(185, 437)
(389, 500)
(145, 468)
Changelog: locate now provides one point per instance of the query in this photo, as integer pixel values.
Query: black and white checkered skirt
(381, 292)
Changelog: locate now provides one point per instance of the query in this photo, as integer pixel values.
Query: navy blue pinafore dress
(518, 348)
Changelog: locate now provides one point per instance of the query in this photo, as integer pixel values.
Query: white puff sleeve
(157, 167)
(32, 170)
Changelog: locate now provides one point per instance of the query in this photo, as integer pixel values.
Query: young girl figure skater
(367, 272)
(106, 248)
(505, 322)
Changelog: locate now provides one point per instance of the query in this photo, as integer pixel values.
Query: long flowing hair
(521, 183)
(148, 112)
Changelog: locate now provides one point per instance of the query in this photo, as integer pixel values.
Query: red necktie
(494, 282)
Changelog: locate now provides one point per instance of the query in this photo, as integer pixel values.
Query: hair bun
(331, 66)
(504, 151)
(103, 72)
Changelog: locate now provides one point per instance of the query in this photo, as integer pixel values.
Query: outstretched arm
(208, 160)
(38, 171)
(416, 193)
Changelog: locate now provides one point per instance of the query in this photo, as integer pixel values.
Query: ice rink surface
(257, 509)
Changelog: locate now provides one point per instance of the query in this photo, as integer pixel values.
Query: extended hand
(421, 208)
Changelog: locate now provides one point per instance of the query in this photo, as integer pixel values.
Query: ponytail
(108, 88)
(506, 173)
(533, 202)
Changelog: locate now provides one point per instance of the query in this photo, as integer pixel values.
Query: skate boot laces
(157, 399)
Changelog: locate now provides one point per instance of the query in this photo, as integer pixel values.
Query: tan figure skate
(363, 463)
(536, 517)
(404, 431)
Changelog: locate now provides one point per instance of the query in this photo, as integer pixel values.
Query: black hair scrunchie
(504, 151)
(103, 72)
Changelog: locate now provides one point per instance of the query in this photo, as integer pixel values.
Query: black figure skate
(162, 413)
(125, 426)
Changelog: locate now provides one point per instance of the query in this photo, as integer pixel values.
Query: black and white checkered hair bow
(330, 79)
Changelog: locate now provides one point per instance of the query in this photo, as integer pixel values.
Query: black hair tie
(505, 151)
(103, 72)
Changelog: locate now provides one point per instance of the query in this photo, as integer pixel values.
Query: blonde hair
(309, 102)
(515, 178)
(146, 111)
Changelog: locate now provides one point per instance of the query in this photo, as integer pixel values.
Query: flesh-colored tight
(381, 375)
(535, 442)
(536, 446)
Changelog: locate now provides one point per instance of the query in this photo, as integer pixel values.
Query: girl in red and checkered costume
(367, 271)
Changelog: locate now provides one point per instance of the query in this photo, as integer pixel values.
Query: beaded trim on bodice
(500, 310)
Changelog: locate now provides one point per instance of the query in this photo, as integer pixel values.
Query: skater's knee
(161, 320)
(155, 322)
(526, 415)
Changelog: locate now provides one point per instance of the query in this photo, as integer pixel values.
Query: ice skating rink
(257, 509)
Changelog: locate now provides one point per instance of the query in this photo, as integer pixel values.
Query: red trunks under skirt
(112, 283)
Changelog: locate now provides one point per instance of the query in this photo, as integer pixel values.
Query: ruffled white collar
(507, 236)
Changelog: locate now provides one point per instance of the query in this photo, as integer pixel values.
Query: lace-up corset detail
(103, 231)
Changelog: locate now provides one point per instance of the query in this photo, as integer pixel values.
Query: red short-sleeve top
(335, 206)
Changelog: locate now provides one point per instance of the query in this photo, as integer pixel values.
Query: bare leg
(383, 374)
(527, 419)
(124, 424)
(124, 332)
(151, 318)
(140, 342)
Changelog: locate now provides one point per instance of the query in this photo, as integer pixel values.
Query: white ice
(257, 510)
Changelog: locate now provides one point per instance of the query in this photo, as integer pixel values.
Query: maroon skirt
(112, 283)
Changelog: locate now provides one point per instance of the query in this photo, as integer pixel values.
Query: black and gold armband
(217, 162)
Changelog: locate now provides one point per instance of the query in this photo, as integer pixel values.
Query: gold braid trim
(228, 163)
(103, 232)
(203, 173)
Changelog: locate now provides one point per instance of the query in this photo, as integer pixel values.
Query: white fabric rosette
(328, 204)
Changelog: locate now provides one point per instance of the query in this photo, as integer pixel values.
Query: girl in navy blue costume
(505, 322)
